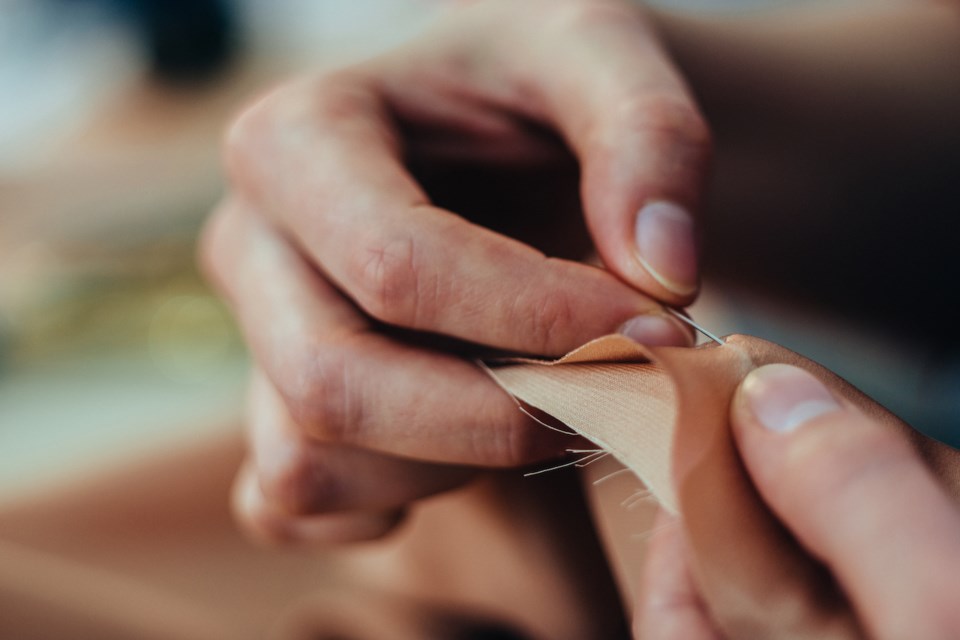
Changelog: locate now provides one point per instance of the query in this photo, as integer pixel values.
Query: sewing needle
(693, 324)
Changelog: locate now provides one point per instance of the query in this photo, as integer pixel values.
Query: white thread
(577, 462)
(548, 426)
(643, 537)
(639, 501)
(600, 456)
(635, 497)
(611, 475)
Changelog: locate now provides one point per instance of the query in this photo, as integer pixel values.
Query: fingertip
(656, 330)
(654, 248)
(782, 398)
(666, 247)
(776, 416)
(268, 525)
(643, 184)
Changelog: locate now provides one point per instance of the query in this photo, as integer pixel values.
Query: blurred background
(110, 342)
(112, 111)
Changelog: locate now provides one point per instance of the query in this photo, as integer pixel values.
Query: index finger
(597, 72)
(324, 160)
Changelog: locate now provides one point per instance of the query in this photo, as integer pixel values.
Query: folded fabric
(664, 413)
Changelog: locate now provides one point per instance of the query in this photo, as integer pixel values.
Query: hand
(378, 211)
(856, 495)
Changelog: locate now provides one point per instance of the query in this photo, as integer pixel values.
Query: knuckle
(317, 104)
(301, 484)
(387, 277)
(836, 469)
(318, 394)
(340, 95)
(548, 322)
(578, 17)
(671, 117)
(245, 135)
(882, 455)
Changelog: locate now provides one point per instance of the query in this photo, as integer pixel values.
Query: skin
(855, 494)
(352, 268)
(368, 252)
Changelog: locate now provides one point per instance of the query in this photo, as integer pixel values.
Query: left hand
(386, 218)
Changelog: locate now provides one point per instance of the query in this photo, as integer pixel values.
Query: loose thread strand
(611, 475)
(548, 426)
(643, 537)
(566, 464)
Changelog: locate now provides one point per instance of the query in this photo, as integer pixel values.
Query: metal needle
(693, 324)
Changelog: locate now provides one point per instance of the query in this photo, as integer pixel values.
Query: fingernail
(656, 331)
(783, 397)
(666, 245)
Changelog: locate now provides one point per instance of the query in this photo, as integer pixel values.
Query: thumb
(856, 495)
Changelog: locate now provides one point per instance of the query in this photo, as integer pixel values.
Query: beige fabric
(663, 412)
(610, 392)
(149, 550)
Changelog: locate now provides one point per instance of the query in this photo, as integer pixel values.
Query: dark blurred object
(185, 40)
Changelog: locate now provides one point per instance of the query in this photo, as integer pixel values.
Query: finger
(670, 607)
(264, 522)
(644, 146)
(322, 158)
(343, 383)
(599, 72)
(857, 495)
(304, 478)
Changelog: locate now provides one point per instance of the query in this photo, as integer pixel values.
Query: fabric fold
(664, 413)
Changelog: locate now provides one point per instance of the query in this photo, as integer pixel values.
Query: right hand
(854, 492)
(344, 270)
